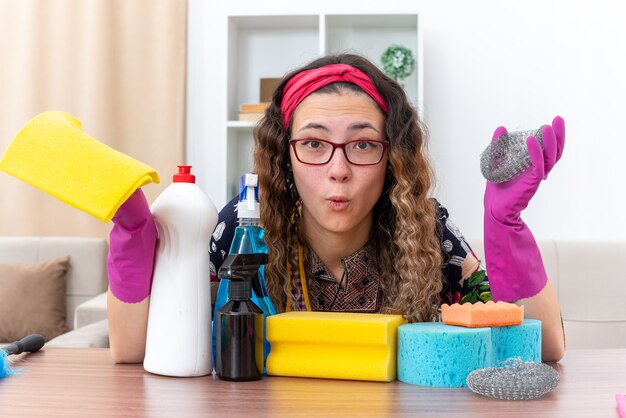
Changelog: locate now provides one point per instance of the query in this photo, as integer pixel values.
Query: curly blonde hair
(405, 233)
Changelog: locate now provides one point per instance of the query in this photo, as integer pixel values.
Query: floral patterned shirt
(359, 288)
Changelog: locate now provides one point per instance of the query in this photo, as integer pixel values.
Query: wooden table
(84, 382)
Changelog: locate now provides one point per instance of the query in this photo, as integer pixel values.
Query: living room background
(486, 63)
(120, 67)
(117, 66)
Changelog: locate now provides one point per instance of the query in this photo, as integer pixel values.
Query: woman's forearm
(545, 307)
(128, 325)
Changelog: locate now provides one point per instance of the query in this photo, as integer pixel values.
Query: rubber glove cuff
(132, 246)
(515, 266)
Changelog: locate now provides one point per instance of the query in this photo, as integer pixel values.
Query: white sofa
(590, 281)
(86, 282)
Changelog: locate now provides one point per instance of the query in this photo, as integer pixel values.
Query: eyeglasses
(314, 151)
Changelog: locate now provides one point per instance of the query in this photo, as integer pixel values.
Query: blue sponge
(435, 354)
(517, 341)
(440, 355)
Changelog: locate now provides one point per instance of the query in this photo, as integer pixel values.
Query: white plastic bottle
(179, 323)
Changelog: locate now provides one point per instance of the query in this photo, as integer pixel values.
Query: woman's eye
(365, 145)
(313, 144)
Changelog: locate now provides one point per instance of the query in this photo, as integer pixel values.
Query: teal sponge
(435, 354)
(517, 341)
(440, 355)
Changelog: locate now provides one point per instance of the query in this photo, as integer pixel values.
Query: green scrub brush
(28, 344)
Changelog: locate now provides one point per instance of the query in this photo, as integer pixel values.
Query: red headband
(306, 82)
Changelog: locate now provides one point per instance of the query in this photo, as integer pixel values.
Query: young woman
(350, 225)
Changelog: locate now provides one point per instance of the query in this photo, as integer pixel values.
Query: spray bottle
(178, 342)
(239, 323)
(248, 239)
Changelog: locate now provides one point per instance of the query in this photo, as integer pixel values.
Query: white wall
(519, 64)
(491, 63)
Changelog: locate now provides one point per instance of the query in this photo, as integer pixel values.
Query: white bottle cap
(248, 206)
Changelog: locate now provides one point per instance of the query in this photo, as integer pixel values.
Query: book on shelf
(254, 107)
(250, 116)
(267, 87)
(252, 111)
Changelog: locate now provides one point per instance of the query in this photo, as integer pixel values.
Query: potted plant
(398, 62)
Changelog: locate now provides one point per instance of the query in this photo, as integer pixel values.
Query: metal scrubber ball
(507, 156)
(516, 380)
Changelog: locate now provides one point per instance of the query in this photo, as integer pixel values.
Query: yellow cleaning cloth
(333, 345)
(52, 153)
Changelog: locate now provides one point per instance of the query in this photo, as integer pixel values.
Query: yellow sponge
(333, 345)
(52, 153)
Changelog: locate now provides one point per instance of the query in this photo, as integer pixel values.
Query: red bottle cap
(184, 175)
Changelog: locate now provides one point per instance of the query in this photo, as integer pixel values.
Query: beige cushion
(87, 276)
(33, 299)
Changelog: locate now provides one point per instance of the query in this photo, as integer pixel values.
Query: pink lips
(338, 203)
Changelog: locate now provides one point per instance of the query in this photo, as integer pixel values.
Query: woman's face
(338, 197)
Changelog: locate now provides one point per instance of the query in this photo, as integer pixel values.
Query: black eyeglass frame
(293, 143)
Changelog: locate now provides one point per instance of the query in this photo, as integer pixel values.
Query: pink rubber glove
(131, 250)
(621, 405)
(514, 264)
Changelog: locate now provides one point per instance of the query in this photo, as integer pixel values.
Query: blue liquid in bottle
(248, 239)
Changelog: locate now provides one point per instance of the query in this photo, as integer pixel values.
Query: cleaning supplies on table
(482, 314)
(507, 156)
(178, 342)
(248, 239)
(239, 323)
(28, 344)
(336, 345)
(523, 341)
(515, 380)
(436, 354)
(54, 154)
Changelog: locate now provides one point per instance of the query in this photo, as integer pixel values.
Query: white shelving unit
(260, 46)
